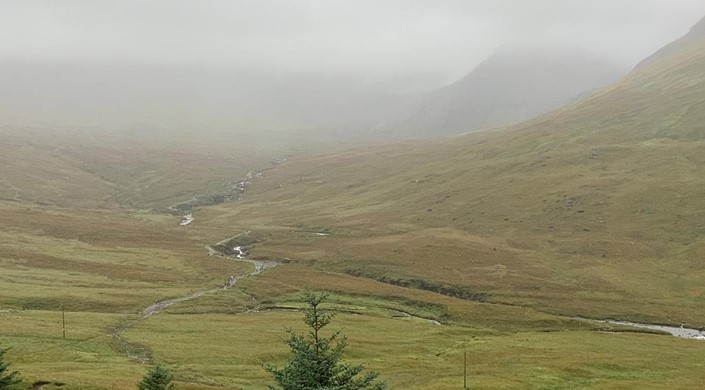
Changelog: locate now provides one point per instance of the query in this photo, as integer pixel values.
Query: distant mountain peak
(514, 84)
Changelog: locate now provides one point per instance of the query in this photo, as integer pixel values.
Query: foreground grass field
(225, 351)
(86, 359)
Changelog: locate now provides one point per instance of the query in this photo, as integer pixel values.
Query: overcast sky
(380, 38)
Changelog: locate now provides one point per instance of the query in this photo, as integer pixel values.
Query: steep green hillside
(593, 210)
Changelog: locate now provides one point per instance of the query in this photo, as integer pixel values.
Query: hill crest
(513, 85)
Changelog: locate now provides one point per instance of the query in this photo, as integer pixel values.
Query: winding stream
(138, 352)
(240, 253)
(186, 219)
(681, 332)
(259, 265)
(413, 317)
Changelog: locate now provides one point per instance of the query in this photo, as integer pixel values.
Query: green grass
(226, 350)
(97, 261)
(84, 360)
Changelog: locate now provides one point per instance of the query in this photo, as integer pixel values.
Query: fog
(439, 40)
(196, 60)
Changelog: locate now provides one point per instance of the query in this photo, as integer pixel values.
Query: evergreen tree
(157, 378)
(315, 360)
(7, 378)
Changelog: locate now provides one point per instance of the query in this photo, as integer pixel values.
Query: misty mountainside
(100, 135)
(77, 170)
(595, 208)
(193, 98)
(116, 127)
(662, 100)
(511, 86)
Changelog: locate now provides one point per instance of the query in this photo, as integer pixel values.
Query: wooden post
(465, 369)
(63, 321)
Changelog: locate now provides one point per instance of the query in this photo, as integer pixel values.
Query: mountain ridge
(695, 33)
(512, 85)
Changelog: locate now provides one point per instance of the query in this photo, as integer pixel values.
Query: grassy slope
(595, 209)
(95, 168)
(99, 261)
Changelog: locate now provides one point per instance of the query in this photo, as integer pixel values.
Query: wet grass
(211, 350)
(84, 360)
(226, 351)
